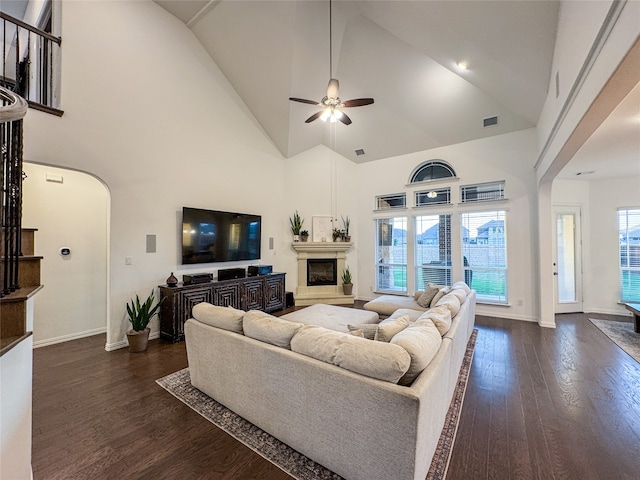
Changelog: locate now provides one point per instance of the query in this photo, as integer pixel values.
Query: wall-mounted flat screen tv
(213, 236)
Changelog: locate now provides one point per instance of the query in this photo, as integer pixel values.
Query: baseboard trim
(110, 347)
(71, 336)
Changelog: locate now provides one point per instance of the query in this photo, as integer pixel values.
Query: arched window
(432, 170)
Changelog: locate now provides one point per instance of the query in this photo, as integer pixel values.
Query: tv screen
(213, 236)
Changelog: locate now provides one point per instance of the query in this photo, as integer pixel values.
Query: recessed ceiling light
(462, 66)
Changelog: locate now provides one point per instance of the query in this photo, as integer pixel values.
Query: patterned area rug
(622, 334)
(287, 459)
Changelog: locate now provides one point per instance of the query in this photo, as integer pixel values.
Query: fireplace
(322, 271)
(320, 265)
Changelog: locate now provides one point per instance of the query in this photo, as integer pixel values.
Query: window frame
(468, 260)
(631, 258)
(378, 258)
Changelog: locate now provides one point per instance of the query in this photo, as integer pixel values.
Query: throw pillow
(421, 341)
(227, 318)
(269, 329)
(427, 296)
(440, 316)
(368, 330)
(441, 293)
(357, 333)
(416, 295)
(386, 331)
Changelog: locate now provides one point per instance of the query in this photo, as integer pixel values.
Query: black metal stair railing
(12, 110)
(30, 58)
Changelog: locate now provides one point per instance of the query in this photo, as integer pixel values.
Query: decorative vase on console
(172, 281)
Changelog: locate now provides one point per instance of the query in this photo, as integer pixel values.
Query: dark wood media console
(264, 292)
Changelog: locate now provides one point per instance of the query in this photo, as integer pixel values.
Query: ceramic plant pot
(138, 340)
(347, 288)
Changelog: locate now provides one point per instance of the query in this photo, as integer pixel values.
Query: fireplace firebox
(322, 271)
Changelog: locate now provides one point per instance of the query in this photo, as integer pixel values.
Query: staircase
(19, 266)
(14, 322)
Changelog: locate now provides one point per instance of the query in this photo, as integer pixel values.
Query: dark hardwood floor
(540, 403)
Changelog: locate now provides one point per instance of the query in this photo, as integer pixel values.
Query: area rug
(287, 459)
(622, 334)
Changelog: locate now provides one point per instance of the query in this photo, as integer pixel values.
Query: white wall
(601, 200)
(506, 157)
(320, 182)
(579, 24)
(72, 213)
(16, 368)
(159, 139)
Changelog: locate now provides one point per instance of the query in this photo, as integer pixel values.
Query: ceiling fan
(331, 104)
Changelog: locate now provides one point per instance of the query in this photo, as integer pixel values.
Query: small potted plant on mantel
(140, 314)
(296, 226)
(345, 232)
(347, 286)
(304, 235)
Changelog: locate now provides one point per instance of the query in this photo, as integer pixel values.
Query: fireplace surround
(323, 289)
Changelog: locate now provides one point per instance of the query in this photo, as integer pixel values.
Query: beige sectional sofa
(334, 396)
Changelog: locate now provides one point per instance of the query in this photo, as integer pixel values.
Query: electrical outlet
(520, 303)
(128, 260)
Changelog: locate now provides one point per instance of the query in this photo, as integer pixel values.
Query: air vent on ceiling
(360, 151)
(490, 121)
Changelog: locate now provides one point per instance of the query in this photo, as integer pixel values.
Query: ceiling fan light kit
(331, 103)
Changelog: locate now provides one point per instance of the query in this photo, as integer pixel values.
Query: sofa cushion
(426, 298)
(421, 341)
(463, 286)
(386, 330)
(459, 293)
(380, 360)
(451, 302)
(441, 293)
(440, 316)
(417, 294)
(227, 318)
(269, 329)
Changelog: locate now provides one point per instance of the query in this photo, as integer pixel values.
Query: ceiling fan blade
(332, 88)
(302, 100)
(344, 119)
(313, 117)
(357, 102)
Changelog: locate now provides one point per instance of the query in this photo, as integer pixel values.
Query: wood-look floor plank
(558, 403)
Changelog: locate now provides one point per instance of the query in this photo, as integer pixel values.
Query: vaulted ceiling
(401, 53)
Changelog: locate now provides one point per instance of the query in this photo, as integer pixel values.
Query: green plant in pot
(304, 235)
(296, 226)
(347, 286)
(346, 222)
(140, 314)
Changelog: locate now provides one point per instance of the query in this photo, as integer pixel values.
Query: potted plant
(347, 286)
(140, 314)
(346, 222)
(304, 235)
(337, 235)
(296, 225)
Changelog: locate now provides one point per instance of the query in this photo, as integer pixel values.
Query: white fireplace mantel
(329, 294)
(321, 246)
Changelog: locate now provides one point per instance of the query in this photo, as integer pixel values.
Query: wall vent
(360, 151)
(490, 121)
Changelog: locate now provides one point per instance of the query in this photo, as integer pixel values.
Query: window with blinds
(482, 192)
(629, 240)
